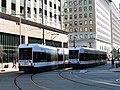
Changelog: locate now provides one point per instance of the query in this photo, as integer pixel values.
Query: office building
(89, 23)
(29, 21)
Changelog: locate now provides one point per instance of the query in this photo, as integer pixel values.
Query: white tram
(85, 57)
(34, 57)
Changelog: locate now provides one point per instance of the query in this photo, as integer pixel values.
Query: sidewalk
(9, 69)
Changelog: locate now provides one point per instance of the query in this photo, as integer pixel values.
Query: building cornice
(23, 21)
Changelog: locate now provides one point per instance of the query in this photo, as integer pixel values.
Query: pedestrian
(14, 63)
(112, 62)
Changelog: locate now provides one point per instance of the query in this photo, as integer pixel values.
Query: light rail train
(38, 57)
(85, 57)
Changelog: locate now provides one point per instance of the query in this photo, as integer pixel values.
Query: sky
(116, 3)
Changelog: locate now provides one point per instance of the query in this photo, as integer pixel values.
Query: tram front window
(25, 54)
(73, 54)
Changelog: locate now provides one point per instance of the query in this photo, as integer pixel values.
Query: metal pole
(74, 42)
(43, 23)
(20, 29)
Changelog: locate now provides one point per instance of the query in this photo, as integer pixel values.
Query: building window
(70, 9)
(90, 8)
(91, 35)
(81, 36)
(75, 9)
(59, 8)
(70, 16)
(80, 22)
(85, 22)
(45, 1)
(21, 9)
(70, 3)
(65, 24)
(91, 29)
(80, 15)
(50, 4)
(91, 22)
(55, 16)
(80, 29)
(90, 15)
(50, 14)
(80, 9)
(40, 10)
(28, 10)
(35, 11)
(65, 4)
(75, 23)
(85, 2)
(45, 12)
(13, 7)
(54, 6)
(66, 17)
(85, 29)
(65, 10)
(85, 15)
(90, 1)
(70, 23)
(86, 36)
(70, 30)
(75, 3)
(75, 29)
(75, 16)
(80, 2)
(85, 8)
(59, 18)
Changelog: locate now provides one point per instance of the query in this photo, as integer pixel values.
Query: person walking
(14, 63)
(112, 61)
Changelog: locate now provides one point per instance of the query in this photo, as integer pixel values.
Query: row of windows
(81, 36)
(75, 9)
(80, 29)
(76, 16)
(80, 23)
(88, 56)
(80, 2)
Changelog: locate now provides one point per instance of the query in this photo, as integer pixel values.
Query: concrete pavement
(10, 69)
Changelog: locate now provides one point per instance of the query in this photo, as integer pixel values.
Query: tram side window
(81, 56)
(48, 56)
(60, 57)
(39, 56)
(53, 55)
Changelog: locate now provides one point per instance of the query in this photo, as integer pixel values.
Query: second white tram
(85, 57)
(38, 57)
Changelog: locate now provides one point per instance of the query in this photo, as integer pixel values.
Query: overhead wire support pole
(20, 29)
(43, 24)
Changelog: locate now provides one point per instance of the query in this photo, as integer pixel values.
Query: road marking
(107, 83)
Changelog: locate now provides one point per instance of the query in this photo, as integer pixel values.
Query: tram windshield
(25, 53)
(73, 54)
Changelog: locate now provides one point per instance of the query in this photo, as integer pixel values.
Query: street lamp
(53, 37)
(20, 27)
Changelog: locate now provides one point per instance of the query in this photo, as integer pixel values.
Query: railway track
(77, 79)
(35, 84)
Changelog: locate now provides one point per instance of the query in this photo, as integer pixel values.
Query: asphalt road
(95, 78)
